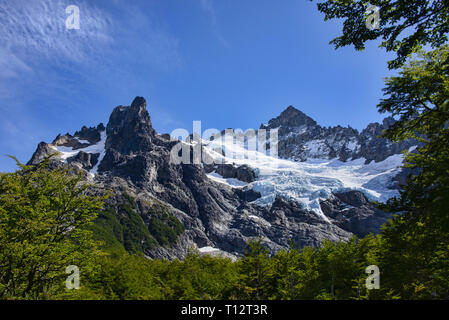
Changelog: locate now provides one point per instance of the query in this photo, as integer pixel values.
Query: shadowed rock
(137, 163)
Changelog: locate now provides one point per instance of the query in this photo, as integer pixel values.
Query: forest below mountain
(52, 223)
(50, 218)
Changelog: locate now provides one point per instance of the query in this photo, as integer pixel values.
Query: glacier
(306, 182)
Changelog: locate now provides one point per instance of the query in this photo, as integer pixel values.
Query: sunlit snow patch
(310, 181)
(208, 250)
(99, 147)
(232, 182)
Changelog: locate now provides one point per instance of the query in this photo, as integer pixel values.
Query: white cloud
(208, 6)
(36, 29)
(33, 34)
(10, 64)
(49, 72)
(34, 38)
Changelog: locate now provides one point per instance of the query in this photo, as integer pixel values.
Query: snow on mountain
(246, 193)
(97, 148)
(302, 138)
(100, 147)
(208, 250)
(232, 182)
(321, 173)
(310, 181)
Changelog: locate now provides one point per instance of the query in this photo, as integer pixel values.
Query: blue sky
(227, 63)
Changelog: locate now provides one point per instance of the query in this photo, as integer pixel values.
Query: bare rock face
(243, 173)
(81, 139)
(92, 135)
(301, 138)
(42, 152)
(129, 129)
(226, 170)
(374, 147)
(292, 118)
(129, 140)
(247, 194)
(352, 212)
(246, 174)
(86, 160)
(70, 141)
(136, 164)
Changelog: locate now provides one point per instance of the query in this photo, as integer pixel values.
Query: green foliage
(120, 227)
(412, 249)
(254, 268)
(123, 226)
(46, 224)
(163, 226)
(123, 277)
(415, 243)
(418, 95)
(135, 235)
(108, 231)
(334, 271)
(404, 26)
(44, 216)
(199, 277)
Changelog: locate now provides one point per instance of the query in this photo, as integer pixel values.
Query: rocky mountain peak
(388, 122)
(129, 128)
(301, 138)
(92, 134)
(130, 158)
(139, 105)
(291, 117)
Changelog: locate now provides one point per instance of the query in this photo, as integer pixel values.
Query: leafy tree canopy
(419, 96)
(404, 26)
(43, 218)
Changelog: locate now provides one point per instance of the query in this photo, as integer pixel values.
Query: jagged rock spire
(129, 128)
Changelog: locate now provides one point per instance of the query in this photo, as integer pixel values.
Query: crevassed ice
(310, 181)
(229, 181)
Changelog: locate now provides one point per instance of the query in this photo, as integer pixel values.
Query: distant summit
(302, 138)
(291, 117)
(223, 205)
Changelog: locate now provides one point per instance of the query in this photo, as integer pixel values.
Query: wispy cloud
(33, 33)
(36, 29)
(209, 8)
(11, 65)
(34, 41)
(48, 73)
(140, 32)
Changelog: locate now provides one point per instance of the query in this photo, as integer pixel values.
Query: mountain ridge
(132, 158)
(302, 138)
